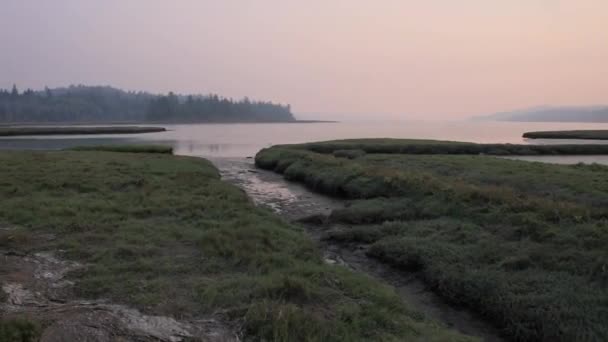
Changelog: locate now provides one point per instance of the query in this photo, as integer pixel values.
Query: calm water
(244, 140)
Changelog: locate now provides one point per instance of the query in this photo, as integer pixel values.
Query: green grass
(523, 244)
(574, 183)
(18, 331)
(17, 131)
(408, 146)
(166, 235)
(588, 134)
(3, 295)
(127, 148)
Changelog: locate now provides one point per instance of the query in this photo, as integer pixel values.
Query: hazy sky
(398, 58)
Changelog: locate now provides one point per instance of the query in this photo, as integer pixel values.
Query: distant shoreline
(581, 134)
(25, 131)
(314, 121)
(145, 123)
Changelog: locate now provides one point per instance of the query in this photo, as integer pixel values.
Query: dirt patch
(35, 287)
(292, 201)
(299, 205)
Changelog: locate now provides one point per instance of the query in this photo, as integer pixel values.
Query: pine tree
(15, 91)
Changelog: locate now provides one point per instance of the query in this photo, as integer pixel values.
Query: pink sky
(401, 59)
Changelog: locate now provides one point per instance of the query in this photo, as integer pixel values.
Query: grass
(18, 131)
(18, 331)
(587, 134)
(127, 148)
(407, 146)
(523, 244)
(166, 235)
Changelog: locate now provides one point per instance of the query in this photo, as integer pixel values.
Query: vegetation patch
(349, 154)
(16, 131)
(522, 244)
(587, 134)
(166, 235)
(18, 331)
(409, 146)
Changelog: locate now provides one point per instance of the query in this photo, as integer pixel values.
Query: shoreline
(577, 134)
(63, 130)
(146, 123)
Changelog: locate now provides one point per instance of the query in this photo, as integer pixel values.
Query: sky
(398, 59)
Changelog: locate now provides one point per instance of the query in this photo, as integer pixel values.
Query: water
(244, 140)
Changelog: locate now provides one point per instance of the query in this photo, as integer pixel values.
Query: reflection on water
(54, 143)
(244, 140)
(195, 148)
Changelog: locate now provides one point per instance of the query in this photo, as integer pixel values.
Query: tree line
(93, 104)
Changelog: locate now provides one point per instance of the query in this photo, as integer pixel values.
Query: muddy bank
(294, 202)
(35, 287)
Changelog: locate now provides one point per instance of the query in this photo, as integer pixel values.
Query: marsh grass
(349, 154)
(166, 235)
(19, 331)
(409, 146)
(523, 244)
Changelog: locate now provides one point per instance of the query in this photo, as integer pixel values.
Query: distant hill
(552, 114)
(102, 104)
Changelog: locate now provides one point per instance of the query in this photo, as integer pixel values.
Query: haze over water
(245, 140)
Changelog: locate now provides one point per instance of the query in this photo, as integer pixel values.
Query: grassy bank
(76, 130)
(18, 331)
(523, 244)
(166, 235)
(408, 146)
(585, 135)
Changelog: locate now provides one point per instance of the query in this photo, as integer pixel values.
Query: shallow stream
(293, 202)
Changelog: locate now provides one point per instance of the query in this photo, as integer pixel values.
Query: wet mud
(35, 287)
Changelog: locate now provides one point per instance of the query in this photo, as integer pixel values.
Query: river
(244, 140)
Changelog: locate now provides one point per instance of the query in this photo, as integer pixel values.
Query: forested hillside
(97, 104)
